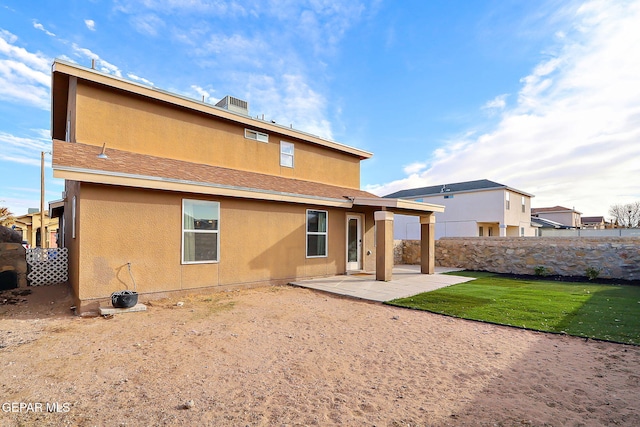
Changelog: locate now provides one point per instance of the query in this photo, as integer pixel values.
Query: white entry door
(354, 242)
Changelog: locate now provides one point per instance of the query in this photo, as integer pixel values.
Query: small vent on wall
(234, 104)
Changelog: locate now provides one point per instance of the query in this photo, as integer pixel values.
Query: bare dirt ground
(286, 356)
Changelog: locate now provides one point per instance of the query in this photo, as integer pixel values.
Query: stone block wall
(12, 258)
(406, 252)
(615, 257)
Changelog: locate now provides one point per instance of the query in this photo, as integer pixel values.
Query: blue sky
(543, 96)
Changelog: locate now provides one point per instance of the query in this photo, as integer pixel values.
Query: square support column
(427, 244)
(384, 245)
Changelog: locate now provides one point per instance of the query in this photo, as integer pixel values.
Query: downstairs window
(317, 235)
(200, 231)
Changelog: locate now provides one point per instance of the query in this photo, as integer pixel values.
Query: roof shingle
(480, 184)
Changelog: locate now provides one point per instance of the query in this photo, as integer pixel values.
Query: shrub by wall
(614, 257)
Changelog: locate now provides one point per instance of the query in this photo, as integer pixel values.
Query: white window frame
(285, 155)
(316, 233)
(508, 201)
(256, 136)
(216, 232)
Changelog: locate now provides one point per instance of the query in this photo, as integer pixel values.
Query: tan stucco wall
(72, 244)
(260, 242)
(121, 226)
(140, 125)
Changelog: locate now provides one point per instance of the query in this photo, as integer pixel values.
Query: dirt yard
(286, 356)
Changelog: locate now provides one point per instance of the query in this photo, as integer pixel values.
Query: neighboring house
(473, 208)
(192, 196)
(547, 223)
(29, 226)
(594, 222)
(559, 214)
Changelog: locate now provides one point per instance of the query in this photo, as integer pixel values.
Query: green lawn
(607, 312)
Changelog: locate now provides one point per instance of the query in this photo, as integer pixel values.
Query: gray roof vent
(234, 104)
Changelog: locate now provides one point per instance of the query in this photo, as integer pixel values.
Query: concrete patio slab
(407, 281)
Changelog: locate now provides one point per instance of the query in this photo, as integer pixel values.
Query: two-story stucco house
(565, 216)
(196, 196)
(594, 222)
(472, 208)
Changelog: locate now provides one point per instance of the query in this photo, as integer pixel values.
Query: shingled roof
(82, 159)
(481, 184)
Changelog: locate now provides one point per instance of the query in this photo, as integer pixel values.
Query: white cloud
(24, 150)
(139, 79)
(572, 139)
(200, 7)
(39, 26)
(66, 58)
(90, 23)
(104, 66)
(243, 52)
(8, 37)
(237, 49)
(34, 60)
(325, 23)
(24, 76)
(203, 94)
(496, 104)
(148, 24)
(414, 168)
(290, 101)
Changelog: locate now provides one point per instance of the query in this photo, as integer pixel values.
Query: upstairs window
(256, 136)
(200, 231)
(524, 208)
(286, 154)
(508, 202)
(316, 233)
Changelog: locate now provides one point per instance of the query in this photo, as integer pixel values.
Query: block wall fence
(615, 257)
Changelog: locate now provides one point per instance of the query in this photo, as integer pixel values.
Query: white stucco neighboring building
(565, 216)
(473, 208)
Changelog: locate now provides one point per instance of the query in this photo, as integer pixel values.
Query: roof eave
(475, 190)
(185, 186)
(408, 206)
(64, 67)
